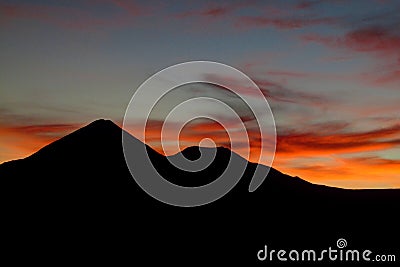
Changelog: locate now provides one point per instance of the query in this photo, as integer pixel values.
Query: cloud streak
(282, 23)
(318, 143)
(19, 141)
(367, 39)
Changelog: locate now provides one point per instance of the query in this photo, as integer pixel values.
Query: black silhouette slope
(78, 196)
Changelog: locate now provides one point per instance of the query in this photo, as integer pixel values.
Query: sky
(329, 69)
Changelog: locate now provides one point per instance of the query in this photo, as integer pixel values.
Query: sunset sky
(329, 69)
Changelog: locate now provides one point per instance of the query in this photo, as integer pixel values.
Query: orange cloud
(327, 157)
(316, 155)
(322, 156)
(21, 141)
(311, 143)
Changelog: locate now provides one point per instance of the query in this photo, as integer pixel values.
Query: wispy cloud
(303, 143)
(285, 23)
(272, 90)
(377, 39)
(308, 4)
(381, 42)
(21, 141)
(211, 11)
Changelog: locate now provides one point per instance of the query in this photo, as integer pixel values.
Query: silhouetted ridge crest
(194, 152)
(100, 135)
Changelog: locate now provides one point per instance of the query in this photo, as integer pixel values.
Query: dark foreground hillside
(75, 200)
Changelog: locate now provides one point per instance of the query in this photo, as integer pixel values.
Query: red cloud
(325, 156)
(323, 142)
(380, 41)
(388, 77)
(307, 4)
(213, 11)
(56, 130)
(197, 130)
(298, 153)
(368, 39)
(376, 39)
(315, 143)
(289, 73)
(130, 7)
(282, 23)
(315, 154)
(21, 141)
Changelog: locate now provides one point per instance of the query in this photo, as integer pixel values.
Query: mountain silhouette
(77, 197)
